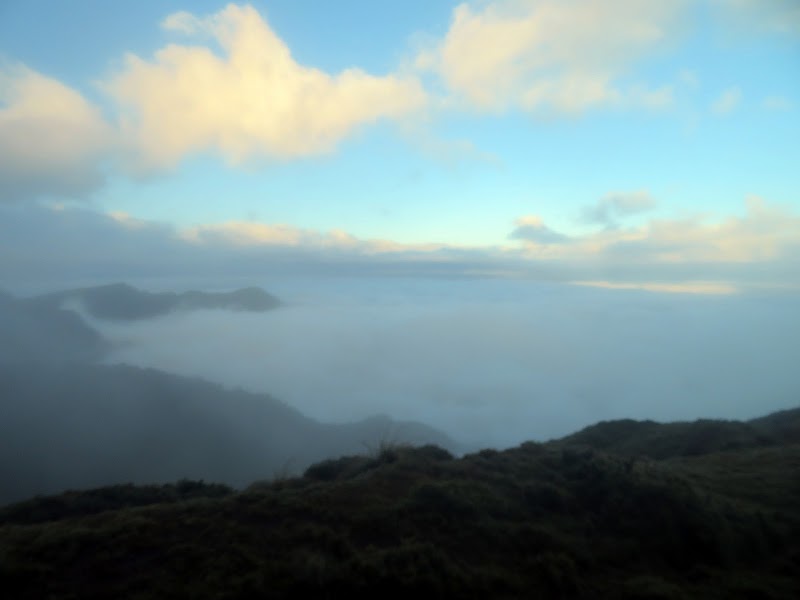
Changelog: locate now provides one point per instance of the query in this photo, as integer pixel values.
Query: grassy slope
(550, 520)
(663, 440)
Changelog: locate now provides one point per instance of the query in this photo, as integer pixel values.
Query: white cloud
(253, 101)
(727, 101)
(551, 55)
(51, 138)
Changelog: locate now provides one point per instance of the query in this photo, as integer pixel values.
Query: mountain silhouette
(123, 302)
(42, 332)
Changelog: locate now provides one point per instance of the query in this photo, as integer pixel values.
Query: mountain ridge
(545, 520)
(123, 302)
(656, 440)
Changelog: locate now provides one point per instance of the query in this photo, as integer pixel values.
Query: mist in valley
(488, 362)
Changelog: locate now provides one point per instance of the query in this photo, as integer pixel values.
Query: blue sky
(618, 142)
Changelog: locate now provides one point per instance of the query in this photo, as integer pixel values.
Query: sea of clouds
(490, 362)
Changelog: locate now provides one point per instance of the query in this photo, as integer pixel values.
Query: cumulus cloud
(727, 101)
(52, 140)
(618, 204)
(252, 101)
(551, 55)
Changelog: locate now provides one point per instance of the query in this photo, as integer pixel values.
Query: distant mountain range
(120, 301)
(67, 421)
(50, 328)
(74, 426)
(42, 332)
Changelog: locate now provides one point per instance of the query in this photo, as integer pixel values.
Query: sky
(622, 143)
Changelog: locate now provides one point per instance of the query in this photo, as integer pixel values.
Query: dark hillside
(783, 425)
(539, 520)
(663, 440)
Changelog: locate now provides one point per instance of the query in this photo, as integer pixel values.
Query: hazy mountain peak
(123, 302)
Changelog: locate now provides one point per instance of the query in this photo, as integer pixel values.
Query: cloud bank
(758, 250)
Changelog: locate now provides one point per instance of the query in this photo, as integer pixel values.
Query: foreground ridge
(555, 520)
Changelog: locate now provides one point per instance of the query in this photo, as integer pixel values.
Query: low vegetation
(595, 515)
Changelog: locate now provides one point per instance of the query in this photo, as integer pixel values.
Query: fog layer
(492, 363)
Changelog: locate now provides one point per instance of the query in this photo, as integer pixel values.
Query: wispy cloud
(727, 101)
(691, 287)
(252, 234)
(765, 232)
(776, 103)
(617, 205)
